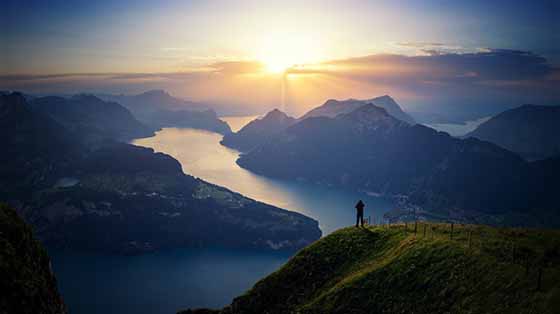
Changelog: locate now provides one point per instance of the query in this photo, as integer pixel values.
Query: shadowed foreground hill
(27, 282)
(390, 270)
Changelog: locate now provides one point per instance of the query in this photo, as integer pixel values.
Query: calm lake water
(166, 281)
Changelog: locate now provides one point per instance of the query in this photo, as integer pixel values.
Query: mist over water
(459, 130)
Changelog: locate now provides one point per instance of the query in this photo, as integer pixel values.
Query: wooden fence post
(424, 230)
(526, 264)
(415, 227)
(405, 227)
(451, 234)
(539, 279)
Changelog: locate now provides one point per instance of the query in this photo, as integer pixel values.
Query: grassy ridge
(392, 270)
(26, 280)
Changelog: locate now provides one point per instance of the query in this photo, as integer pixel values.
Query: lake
(166, 281)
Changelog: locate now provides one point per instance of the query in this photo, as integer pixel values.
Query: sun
(277, 66)
(280, 51)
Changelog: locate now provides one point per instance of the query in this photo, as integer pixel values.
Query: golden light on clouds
(282, 50)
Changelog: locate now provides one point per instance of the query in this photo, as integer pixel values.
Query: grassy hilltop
(27, 282)
(382, 269)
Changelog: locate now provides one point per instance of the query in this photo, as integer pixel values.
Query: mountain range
(368, 149)
(332, 107)
(530, 130)
(123, 198)
(261, 130)
(159, 109)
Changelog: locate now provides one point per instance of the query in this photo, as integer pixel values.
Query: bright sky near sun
(254, 55)
(153, 36)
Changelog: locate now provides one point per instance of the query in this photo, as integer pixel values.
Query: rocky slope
(532, 131)
(158, 109)
(123, 198)
(28, 284)
(368, 149)
(258, 131)
(393, 270)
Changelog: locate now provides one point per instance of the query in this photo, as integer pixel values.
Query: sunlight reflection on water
(202, 156)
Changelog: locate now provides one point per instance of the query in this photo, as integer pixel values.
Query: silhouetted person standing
(360, 213)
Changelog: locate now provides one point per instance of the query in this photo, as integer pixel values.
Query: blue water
(162, 282)
(167, 281)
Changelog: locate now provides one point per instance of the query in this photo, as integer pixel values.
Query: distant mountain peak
(275, 114)
(259, 131)
(392, 108)
(332, 108)
(369, 110)
(371, 117)
(385, 97)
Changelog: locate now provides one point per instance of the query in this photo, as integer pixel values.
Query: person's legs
(362, 219)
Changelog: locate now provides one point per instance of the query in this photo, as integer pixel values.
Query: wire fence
(506, 245)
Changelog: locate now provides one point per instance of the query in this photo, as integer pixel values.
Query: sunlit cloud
(489, 76)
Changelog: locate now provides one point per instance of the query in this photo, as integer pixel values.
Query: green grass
(389, 270)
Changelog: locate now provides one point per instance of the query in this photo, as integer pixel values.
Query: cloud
(431, 48)
(490, 64)
(237, 67)
(420, 44)
(434, 81)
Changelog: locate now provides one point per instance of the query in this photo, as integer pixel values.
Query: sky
(254, 55)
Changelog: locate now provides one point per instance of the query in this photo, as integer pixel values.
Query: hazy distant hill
(124, 198)
(35, 148)
(390, 270)
(333, 107)
(159, 109)
(89, 116)
(532, 131)
(258, 131)
(28, 284)
(154, 100)
(368, 149)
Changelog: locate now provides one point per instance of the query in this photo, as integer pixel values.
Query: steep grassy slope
(390, 270)
(27, 282)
